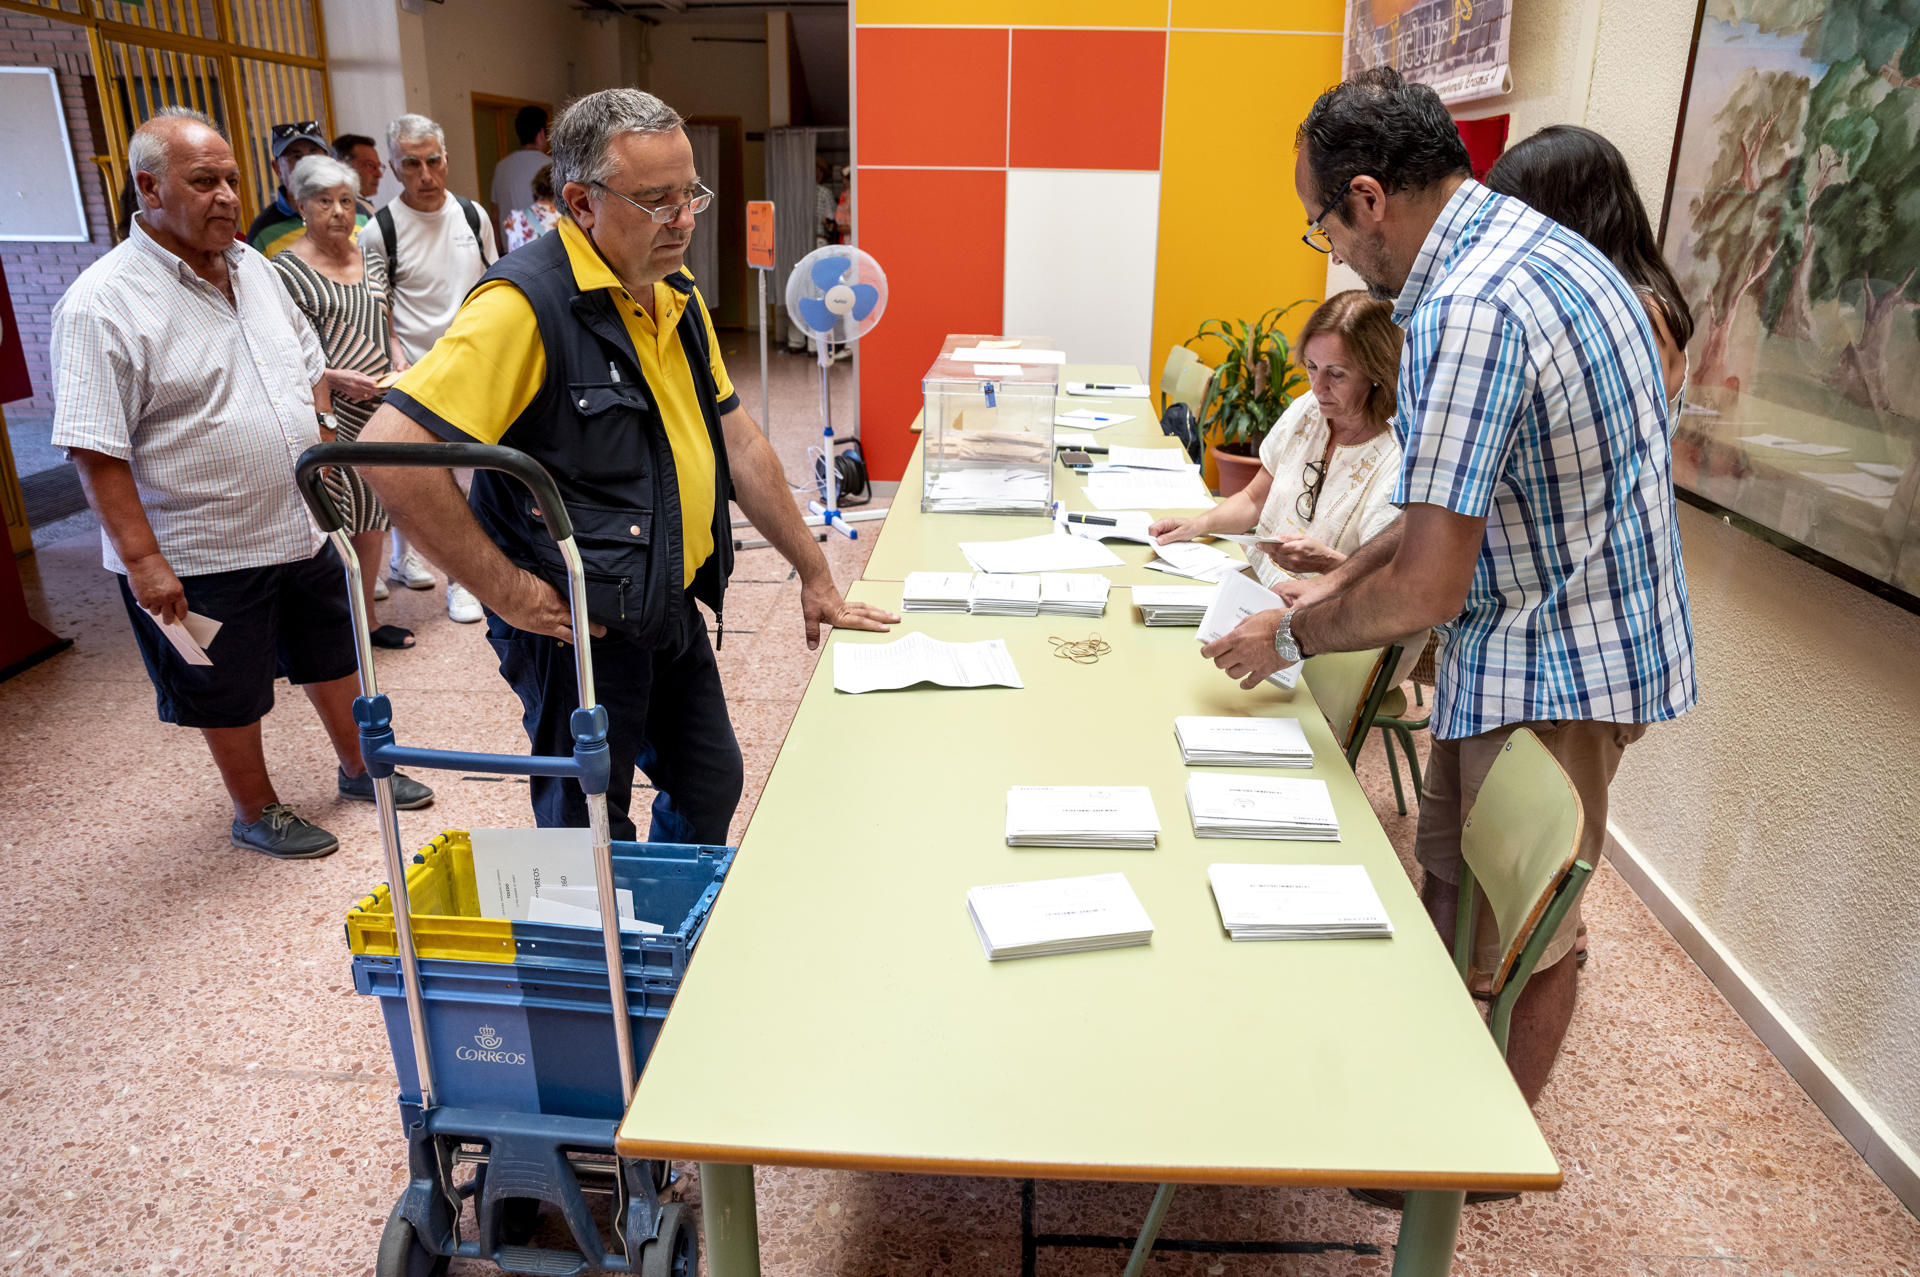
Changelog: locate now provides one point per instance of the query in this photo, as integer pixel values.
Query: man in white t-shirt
(513, 175)
(431, 246)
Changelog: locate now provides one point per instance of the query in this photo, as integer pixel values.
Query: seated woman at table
(1329, 465)
(1580, 180)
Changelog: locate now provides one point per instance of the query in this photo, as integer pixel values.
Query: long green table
(840, 1012)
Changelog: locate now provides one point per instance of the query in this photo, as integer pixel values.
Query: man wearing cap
(279, 223)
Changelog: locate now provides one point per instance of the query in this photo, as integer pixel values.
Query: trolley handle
(427, 456)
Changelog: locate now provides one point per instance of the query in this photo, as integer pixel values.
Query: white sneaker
(380, 590)
(411, 571)
(461, 605)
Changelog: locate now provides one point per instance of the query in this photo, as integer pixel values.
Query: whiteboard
(39, 189)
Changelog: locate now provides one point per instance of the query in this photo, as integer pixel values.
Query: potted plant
(1250, 389)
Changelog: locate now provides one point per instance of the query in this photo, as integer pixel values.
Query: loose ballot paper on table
(1298, 902)
(1058, 915)
(1117, 816)
(875, 667)
(1048, 552)
(1168, 605)
(1236, 599)
(1224, 805)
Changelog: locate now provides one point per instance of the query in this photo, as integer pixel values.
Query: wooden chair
(1179, 359)
(1520, 845)
(1191, 388)
(1396, 722)
(1348, 687)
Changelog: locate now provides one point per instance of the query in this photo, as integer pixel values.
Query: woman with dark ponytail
(1580, 180)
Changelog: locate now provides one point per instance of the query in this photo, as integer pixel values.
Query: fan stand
(829, 510)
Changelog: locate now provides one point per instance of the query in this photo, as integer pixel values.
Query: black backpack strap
(392, 240)
(468, 207)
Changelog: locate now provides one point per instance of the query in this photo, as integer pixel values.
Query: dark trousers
(666, 715)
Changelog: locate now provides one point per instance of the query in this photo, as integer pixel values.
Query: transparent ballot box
(988, 435)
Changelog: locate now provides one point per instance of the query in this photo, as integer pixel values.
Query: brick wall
(37, 274)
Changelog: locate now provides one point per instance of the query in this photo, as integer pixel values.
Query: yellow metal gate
(247, 64)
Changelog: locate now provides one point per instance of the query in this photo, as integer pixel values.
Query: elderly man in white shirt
(186, 387)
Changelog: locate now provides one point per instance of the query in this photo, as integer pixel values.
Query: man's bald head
(162, 132)
(188, 182)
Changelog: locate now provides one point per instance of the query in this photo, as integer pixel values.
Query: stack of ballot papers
(1148, 490)
(1229, 806)
(1298, 902)
(989, 490)
(1242, 742)
(1003, 594)
(1120, 816)
(1065, 594)
(874, 667)
(1048, 552)
(1058, 915)
(1195, 561)
(1234, 600)
(936, 592)
(544, 875)
(1173, 604)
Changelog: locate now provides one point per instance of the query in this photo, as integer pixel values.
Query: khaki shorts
(1589, 751)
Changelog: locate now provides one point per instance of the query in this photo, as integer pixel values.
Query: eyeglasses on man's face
(414, 163)
(1316, 237)
(698, 198)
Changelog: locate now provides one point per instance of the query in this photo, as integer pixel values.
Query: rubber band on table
(1086, 651)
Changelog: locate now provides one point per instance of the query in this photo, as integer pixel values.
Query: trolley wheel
(675, 1249)
(519, 1216)
(402, 1254)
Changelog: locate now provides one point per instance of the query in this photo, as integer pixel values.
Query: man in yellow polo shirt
(591, 351)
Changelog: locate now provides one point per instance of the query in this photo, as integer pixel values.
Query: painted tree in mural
(1737, 217)
(1870, 253)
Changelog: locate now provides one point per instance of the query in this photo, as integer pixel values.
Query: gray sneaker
(408, 793)
(284, 836)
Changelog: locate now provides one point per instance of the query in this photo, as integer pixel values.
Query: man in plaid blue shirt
(1538, 530)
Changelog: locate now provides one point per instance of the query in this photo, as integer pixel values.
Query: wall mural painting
(1793, 223)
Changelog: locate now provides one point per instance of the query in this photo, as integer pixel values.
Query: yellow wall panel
(1013, 13)
(1259, 15)
(1230, 223)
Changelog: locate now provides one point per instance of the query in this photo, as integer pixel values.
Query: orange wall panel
(941, 237)
(932, 97)
(1087, 99)
(1021, 13)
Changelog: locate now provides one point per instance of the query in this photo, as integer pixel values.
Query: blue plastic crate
(518, 1014)
(514, 1039)
(672, 883)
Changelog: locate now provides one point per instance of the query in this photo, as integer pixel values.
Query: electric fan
(836, 294)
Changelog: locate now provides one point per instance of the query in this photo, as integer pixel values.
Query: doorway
(494, 139)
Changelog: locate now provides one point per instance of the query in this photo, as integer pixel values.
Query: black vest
(596, 426)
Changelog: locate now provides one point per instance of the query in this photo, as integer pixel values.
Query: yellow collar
(591, 274)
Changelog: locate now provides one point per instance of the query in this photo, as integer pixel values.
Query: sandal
(392, 636)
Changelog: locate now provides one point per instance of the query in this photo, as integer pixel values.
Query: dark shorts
(286, 620)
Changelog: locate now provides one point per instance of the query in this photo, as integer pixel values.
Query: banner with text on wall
(1458, 47)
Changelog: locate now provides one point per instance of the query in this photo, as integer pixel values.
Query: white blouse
(1355, 501)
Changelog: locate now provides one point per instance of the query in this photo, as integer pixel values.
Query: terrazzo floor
(190, 1085)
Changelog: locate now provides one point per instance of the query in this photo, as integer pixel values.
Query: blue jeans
(666, 716)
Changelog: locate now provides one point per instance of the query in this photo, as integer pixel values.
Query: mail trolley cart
(501, 1029)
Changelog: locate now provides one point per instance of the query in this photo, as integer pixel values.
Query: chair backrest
(1520, 840)
(1179, 359)
(1348, 686)
(1192, 387)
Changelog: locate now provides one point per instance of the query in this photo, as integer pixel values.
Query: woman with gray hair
(345, 299)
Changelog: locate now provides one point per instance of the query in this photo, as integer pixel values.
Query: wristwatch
(327, 421)
(1284, 644)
